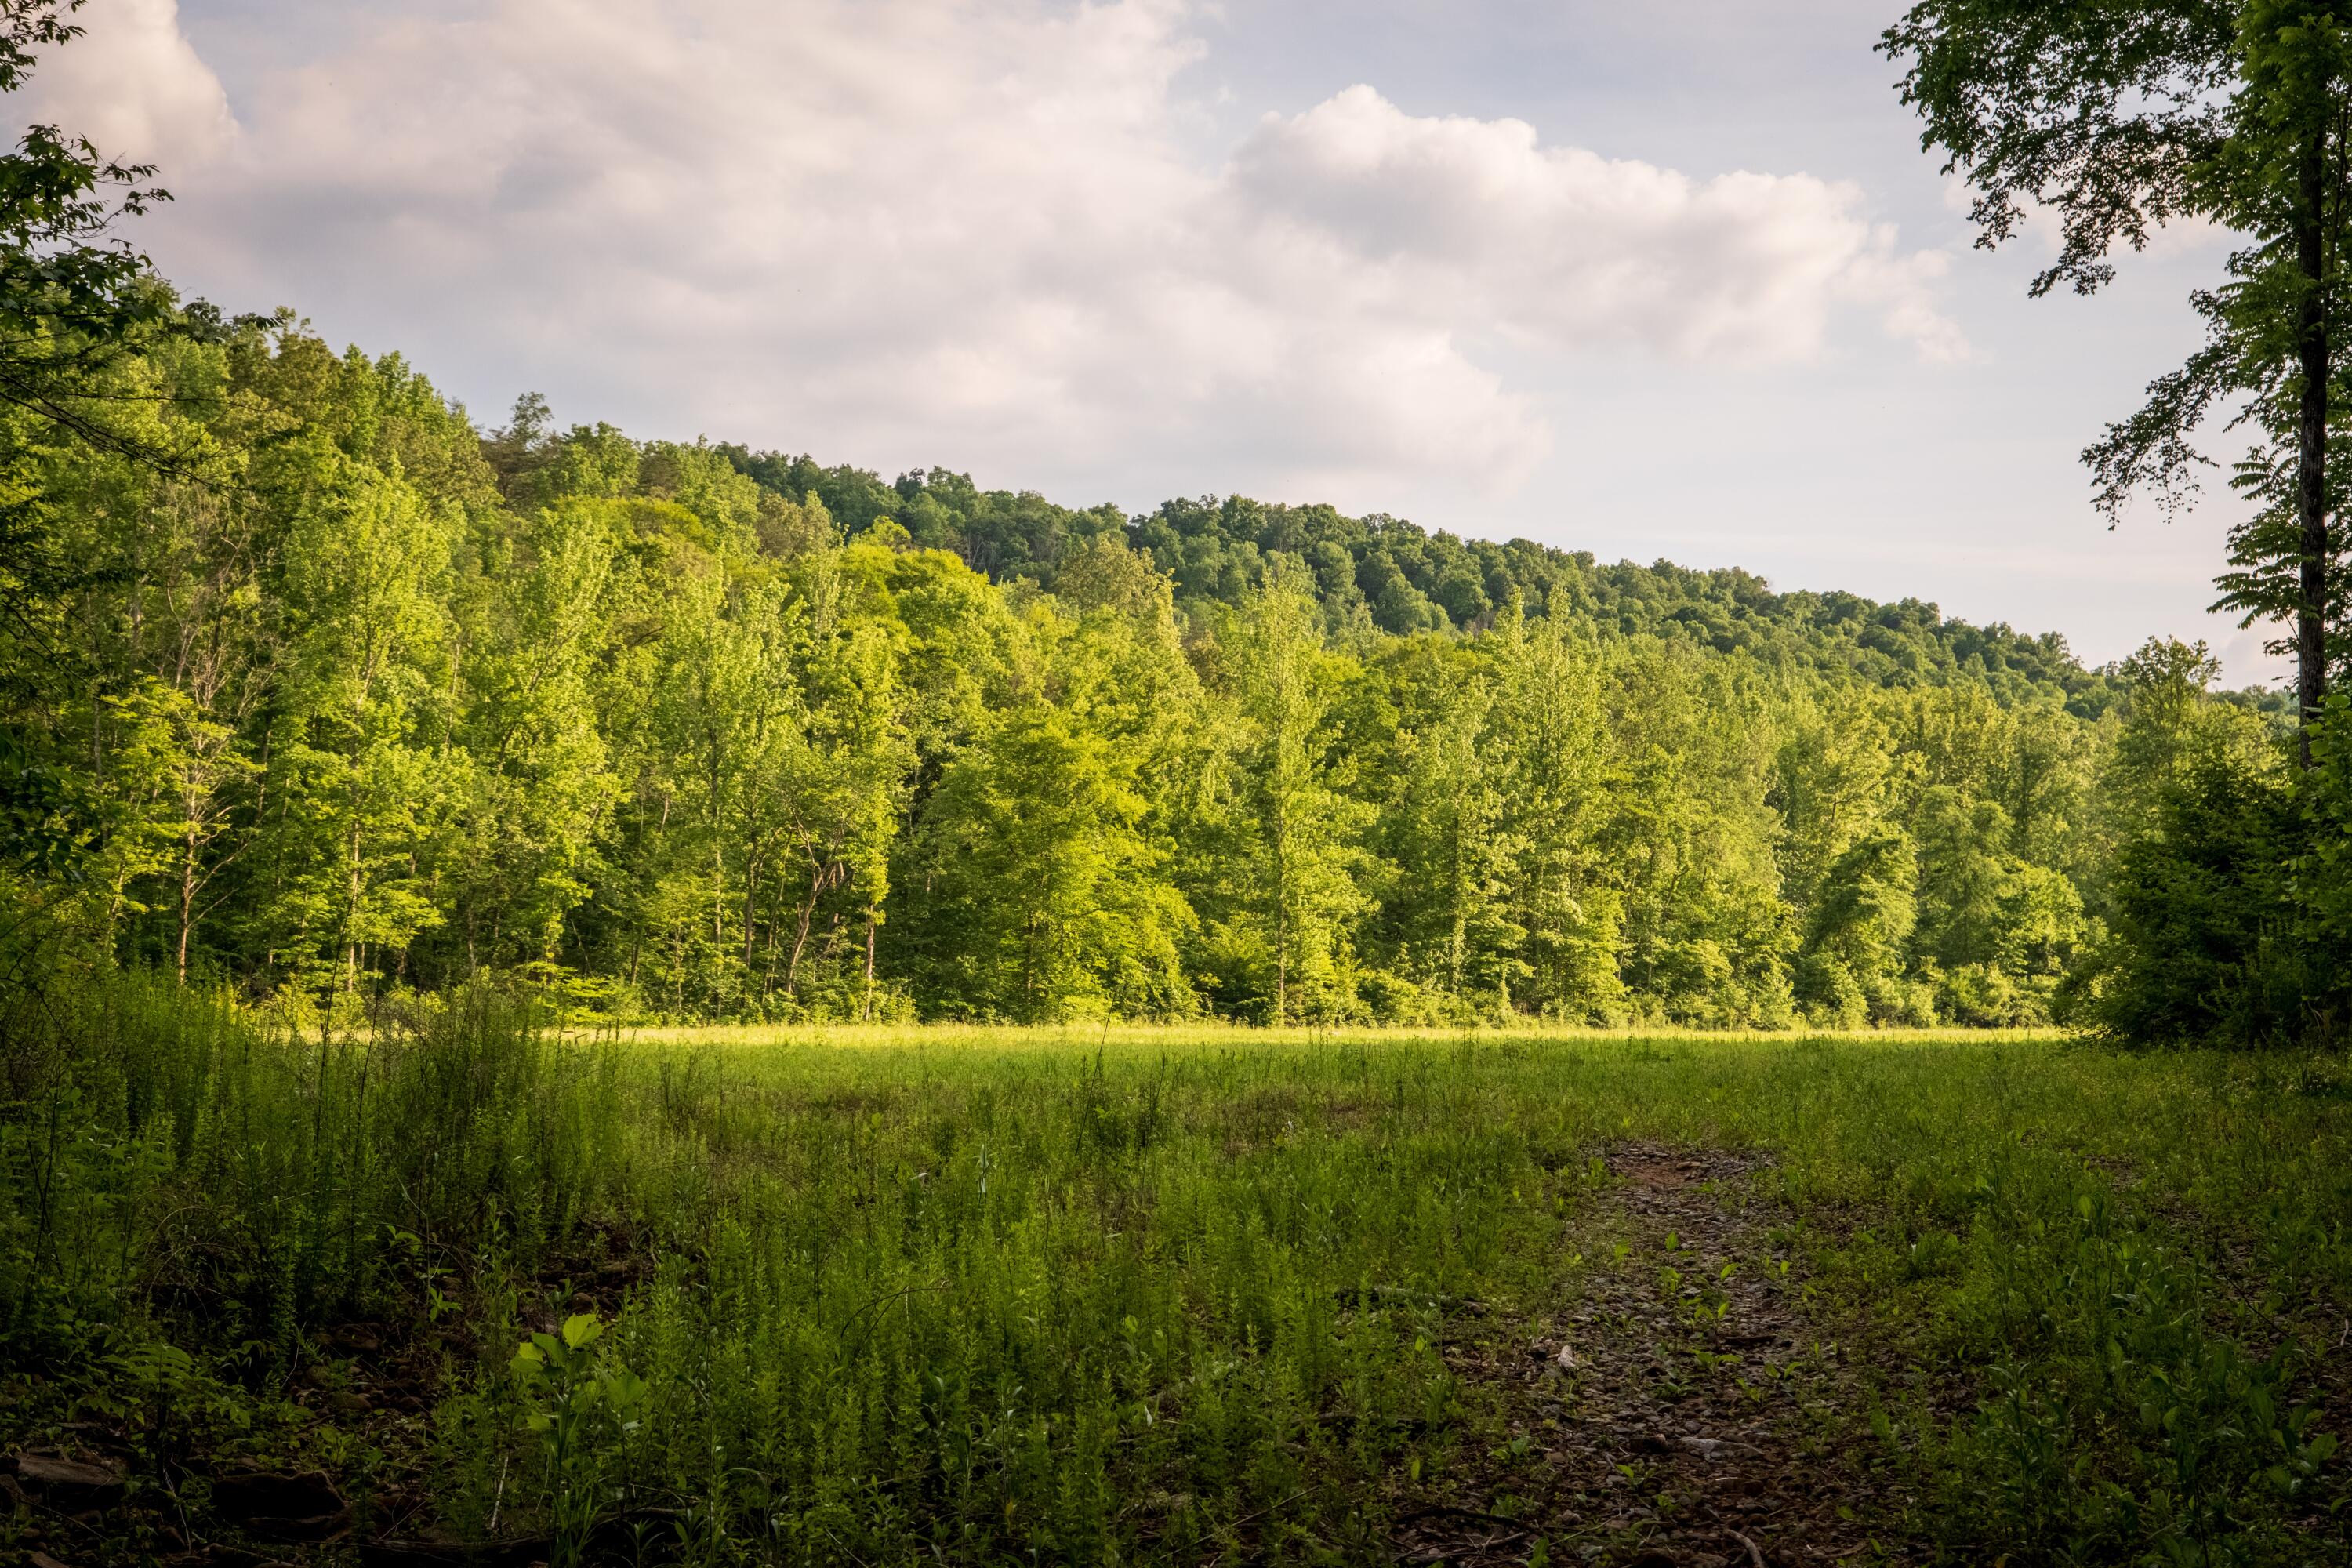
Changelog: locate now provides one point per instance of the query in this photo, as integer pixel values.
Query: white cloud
(1477, 221)
(135, 88)
(872, 226)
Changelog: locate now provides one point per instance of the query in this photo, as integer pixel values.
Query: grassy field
(1126, 1295)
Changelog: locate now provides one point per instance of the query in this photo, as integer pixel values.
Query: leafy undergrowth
(466, 1292)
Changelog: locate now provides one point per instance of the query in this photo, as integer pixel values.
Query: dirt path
(1675, 1408)
(1675, 1412)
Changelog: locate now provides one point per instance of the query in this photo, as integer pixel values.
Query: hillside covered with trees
(351, 697)
(369, 775)
(1405, 581)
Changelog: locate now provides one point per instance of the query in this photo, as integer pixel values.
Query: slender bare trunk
(1460, 899)
(800, 936)
(866, 1012)
(750, 908)
(1281, 901)
(351, 913)
(187, 899)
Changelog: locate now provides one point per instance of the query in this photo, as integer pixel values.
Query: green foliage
(382, 705)
(353, 701)
(1385, 574)
(2323, 876)
(2224, 882)
(1042, 897)
(2201, 916)
(75, 298)
(583, 1406)
(2117, 119)
(1286, 903)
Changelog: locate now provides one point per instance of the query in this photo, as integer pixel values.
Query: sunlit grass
(1136, 1293)
(1237, 1036)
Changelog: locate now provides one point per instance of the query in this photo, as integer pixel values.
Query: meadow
(473, 1287)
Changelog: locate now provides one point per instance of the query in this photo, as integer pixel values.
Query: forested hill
(1405, 580)
(352, 698)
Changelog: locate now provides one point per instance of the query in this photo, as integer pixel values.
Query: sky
(1669, 280)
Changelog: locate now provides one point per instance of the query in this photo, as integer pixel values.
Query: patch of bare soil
(1675, 1411)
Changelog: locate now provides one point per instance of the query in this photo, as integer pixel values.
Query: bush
(303, 1174)
(1831, 997)
(1981, 996)
(2206, 939)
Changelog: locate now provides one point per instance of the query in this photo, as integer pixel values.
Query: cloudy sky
(1670, 279)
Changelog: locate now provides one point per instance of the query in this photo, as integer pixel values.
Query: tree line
(361, 697)
(313, 688)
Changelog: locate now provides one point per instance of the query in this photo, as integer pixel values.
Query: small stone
(70, 1485)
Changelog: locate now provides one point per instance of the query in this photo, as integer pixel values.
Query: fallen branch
(1430, 1511)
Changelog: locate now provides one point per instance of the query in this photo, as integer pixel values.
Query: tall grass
(167, 1158)
(1111, 1295)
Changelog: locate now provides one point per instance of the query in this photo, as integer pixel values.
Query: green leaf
(624, 1390)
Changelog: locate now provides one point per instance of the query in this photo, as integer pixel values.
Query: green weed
(982, 1296)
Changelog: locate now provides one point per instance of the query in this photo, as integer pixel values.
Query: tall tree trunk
(751, 906)
(800, 936)
(2311, 437)
(351, 914)
(866, 1012)
(1281, 915)
(187, 899)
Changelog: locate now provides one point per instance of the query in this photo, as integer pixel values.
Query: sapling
(574, 1397)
